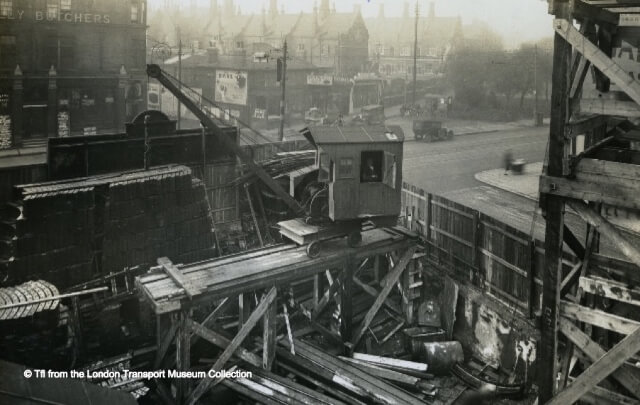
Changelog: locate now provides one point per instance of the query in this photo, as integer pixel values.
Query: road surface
(443, 166)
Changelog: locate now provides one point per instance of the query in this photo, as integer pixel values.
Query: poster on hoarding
(153, 96)
(231, 87)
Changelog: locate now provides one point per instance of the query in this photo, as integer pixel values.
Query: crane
(154, 71)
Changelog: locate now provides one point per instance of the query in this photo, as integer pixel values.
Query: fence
(475, 248)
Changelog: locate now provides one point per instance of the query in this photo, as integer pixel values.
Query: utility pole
(415, 54)
(179, 73)
(283, 80)
(535, 83)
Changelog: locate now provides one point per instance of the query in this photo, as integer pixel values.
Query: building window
(345, 167)
(6, 8)
(59, 52)
(371, 162)
(134, 13)
(405, 51)
(7, 51)
(65, 5)
(53, 9)
(239, 44)
(301, 47)
(325, 50)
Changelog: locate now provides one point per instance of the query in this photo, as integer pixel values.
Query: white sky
(515, 20)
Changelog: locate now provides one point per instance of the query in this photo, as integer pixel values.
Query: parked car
(431, 130)
(314, 117)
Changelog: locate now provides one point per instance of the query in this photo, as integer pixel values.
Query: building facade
(240, 84)
(70, 67)
(391, 43)
(324, 37)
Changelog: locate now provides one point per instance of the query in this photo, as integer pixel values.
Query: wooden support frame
(389, 281)
(599, 370)
(598, 58)
(260, 310)
(593, 351)
(555, 222)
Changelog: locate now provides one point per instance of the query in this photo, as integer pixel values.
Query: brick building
(391, 43)
(69, 67)
(241, 84)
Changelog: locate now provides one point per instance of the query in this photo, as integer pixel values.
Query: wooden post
(407, 306)
(316, 291)
(554, 223)
(183, 354)
(346, 297)
(531, 280)
(269, 335)
(376, 269)
(429, 221)
(244, 307)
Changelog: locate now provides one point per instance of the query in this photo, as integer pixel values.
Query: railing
(475, 248)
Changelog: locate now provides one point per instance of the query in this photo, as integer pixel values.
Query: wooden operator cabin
(363, 169)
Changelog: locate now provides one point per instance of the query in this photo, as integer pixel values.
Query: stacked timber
(69, 232)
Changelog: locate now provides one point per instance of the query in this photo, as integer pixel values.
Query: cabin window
(345, 167)
(371, 166)
(324, 167)
(390, 168)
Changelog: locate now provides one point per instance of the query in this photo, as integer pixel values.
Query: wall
(497, 270)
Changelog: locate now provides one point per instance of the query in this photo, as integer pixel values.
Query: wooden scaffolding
(589, 336)
(255, 280)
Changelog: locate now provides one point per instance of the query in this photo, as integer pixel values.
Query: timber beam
(599, 370)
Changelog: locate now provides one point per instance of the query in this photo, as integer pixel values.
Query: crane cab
(362, 167)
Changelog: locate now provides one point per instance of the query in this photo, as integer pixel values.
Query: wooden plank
(189, 288)
(452, 236)
(602, 396)
(391, 362)
(183, 355)
(608, 230)
(598, 318)
(599, 370)
(204, 384)
(590, 191)
(346, 301)
(593, 351)
(503, 262)
(611, 107)
(326, 298)
(572, 241)
(372, 291)
(623, 269)
(222, 342)
(382, 372)
(166, 342)
(554, 206)
(389, 280)
(269, 335)
(610, 289)
(598, 58)
(584, 124)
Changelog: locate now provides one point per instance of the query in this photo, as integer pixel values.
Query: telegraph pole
(415, 54)
(535, 83)
(283, 79)
(179, 72)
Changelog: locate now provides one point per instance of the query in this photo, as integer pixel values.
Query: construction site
(214, 265)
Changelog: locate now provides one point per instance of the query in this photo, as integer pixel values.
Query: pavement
(23, 156)
(526, 185)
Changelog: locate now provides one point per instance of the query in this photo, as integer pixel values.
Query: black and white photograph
(338, 202)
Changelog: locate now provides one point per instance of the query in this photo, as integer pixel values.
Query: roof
(357, 134)
(236, 62)
(432, 32)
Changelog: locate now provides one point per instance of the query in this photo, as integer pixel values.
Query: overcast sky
(515, 20)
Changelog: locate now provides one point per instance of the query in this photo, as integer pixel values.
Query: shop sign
(319, 80)
(63, 102)
(260, 113)
(108, 100)
(89, 131)
(61, 16)
(231, 87)
(88, 102)
(63, 124)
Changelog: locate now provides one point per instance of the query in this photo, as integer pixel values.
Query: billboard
(231, 87)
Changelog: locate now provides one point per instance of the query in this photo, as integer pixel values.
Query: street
(444, 166)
